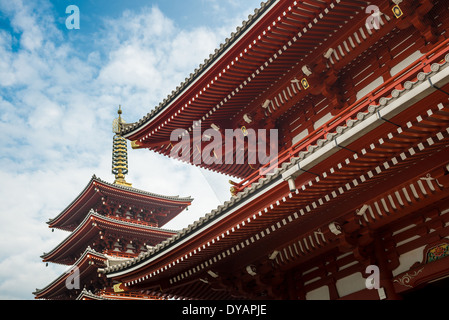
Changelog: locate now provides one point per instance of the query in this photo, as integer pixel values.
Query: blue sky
(59, 92)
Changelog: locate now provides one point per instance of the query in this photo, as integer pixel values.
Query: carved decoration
(335, 228)
(408, 277)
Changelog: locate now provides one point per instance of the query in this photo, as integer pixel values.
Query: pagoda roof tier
(86, 266)
(93, 228)
(99, 193)
(256, 74)
(386, 149)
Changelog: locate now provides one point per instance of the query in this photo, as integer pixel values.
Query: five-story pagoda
(109, 224)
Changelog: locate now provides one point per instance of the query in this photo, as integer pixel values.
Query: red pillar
(386, 276)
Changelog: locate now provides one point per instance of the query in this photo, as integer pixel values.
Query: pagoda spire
(119, 152)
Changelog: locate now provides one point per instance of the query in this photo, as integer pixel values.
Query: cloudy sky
(59, 92)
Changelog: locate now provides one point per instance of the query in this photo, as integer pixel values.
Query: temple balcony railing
(438, 55)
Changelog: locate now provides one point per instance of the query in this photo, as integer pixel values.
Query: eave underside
(270, 78)
(94, 229)
(98, 193)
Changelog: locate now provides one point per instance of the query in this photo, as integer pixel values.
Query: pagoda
(356, 203)
(109, 223)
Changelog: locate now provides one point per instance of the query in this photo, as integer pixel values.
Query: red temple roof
(261, 63)
(93, 227)
(248, 220)
(97, 192)
(87, 266)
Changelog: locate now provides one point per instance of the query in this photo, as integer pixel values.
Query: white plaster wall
(300, 136)
(322, 120)
(373, 85)
(350, 284)
(321, 293)
(406, 62)
(408, 259)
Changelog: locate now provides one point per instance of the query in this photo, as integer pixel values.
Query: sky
(60, 89)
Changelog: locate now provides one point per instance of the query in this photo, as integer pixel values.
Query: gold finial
(117, 123)
(119, 152)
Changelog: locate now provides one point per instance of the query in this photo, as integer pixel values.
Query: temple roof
(57, 289)
(259, 64)
(89, 228)
(97, 188)
(385, 105)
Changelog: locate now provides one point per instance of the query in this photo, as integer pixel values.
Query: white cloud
(150, 56)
